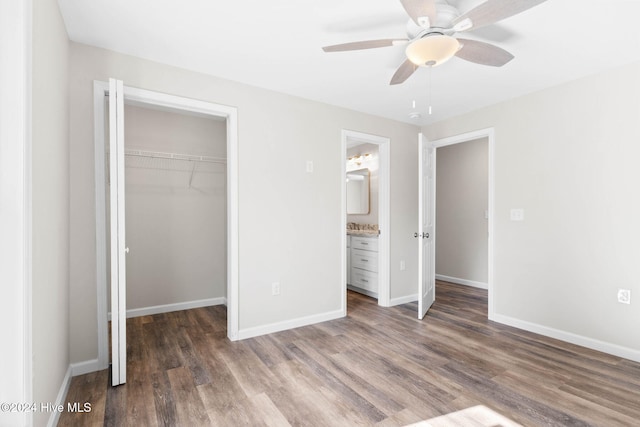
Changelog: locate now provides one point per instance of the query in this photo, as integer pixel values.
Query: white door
(426, 228)
(118, 248)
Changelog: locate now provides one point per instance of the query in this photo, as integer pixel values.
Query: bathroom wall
(371, 163)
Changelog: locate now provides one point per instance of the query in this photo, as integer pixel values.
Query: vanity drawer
(365, 243)
(364, 279)
(366, 260)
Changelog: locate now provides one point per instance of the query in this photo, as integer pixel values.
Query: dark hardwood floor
(377, 366)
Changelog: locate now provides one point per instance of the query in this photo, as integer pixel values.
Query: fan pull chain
(429, 89)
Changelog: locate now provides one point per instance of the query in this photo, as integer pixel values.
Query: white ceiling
(276, 44)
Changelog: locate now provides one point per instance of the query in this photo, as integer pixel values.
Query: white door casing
(160, 100)
(426, 227)
(117, 228)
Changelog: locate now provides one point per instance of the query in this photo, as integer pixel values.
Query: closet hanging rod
(174, 156)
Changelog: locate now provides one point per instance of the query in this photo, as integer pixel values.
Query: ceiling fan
(430, 34)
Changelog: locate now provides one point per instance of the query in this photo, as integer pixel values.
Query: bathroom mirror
(358, 192)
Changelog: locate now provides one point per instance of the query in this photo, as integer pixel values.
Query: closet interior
(175, 210)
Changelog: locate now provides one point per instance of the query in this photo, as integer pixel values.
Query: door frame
(488, 133)
(16, 264)
(162, 101)
(384, 217)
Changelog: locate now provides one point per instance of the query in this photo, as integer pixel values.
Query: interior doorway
(484, 136)
(462, 213)
(369, 248)
(137, 98)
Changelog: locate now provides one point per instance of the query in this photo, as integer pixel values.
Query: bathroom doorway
(365, 232)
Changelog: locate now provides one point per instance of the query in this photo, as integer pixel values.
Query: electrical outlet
(403, 265)
(624, 296)
(517, 214)
(275, 288)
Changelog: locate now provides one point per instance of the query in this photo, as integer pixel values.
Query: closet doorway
(486, 137)
(177, 188)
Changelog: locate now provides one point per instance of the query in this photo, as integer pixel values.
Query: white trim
(343, 225)
(464, 282)
(16, 215)
(384, 223)
(488, 133)
(117, 233)
(233, 233)
(404, 300)
(100, 89)
(60, 399)
(85, 367)
(384, 208)
(28, 214)
(609, 348)
(289, 324)
(168, 102)
(168, 308)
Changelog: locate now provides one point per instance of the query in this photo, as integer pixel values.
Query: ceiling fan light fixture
(432, 50)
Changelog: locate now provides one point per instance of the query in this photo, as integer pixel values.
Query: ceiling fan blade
(367, 44)
(417, 9)
(403, 72)
(493, 11)
(483, 53)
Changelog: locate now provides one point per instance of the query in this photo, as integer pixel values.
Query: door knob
(415, 234)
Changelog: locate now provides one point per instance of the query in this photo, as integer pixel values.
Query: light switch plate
(624, 296)
(309, 166)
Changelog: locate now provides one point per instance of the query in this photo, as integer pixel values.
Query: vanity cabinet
(362, 261)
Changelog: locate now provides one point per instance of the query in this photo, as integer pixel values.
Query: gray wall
(176, 230)
(50, 198)
(568, 156)
(462, 198)
(289, 220)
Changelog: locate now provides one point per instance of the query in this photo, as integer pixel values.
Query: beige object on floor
(476, 416)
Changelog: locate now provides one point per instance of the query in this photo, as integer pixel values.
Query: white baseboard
(465, 282)
(86, 367)
(605, 347)
(62, 395)
(403, 300)
(167, 308)
(289, 324)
